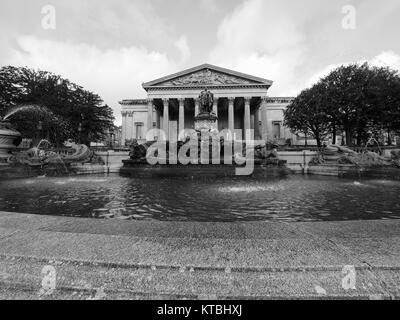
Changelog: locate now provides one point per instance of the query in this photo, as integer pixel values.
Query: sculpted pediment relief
(206, 78)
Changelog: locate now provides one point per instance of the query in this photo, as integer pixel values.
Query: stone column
(181, 117)
(215, 110)
(124, 129)
(166, 118)
(264, 119)
(133, 136)
(247, 120)
(196, 107)
(158, 118)
(231, 116)
(149, 115)
(257, 123)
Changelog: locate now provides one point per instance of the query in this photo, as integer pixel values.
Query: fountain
(344, 162)
(42, 159)
(203, 152)
(9, 139)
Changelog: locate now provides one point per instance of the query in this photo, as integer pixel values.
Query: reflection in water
(249, 189)
(295, 198)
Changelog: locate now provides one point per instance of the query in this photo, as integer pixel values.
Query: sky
(112, 46)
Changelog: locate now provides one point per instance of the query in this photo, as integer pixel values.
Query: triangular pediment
(207, 75)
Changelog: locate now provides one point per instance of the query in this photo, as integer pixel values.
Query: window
(276, 129)
(139, 130)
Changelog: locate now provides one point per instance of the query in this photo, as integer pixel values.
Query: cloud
(210, 6)
(293, 43)
(387, 59)
(384, 59)
(111, 47)
(262, 42)
(184, 49)
(114, 74)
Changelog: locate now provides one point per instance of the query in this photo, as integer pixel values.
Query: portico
(173, 115)
(238, 99)
(241, 103)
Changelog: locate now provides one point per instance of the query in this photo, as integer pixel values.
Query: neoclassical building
(241, 101)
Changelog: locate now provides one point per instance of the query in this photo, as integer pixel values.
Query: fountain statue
(340, 155)
(9, 137)
(43, 155)
(203, 152)
(206, 120)
(9, 140)
(43, 158)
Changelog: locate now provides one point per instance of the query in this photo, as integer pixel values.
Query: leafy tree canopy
(53, 107)
(356, 99)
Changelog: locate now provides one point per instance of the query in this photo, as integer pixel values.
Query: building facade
(241, 102)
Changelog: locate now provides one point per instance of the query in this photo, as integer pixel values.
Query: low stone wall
(352, 171)
(297, 161)
(143, 170)
(340, 170)
(113, 160)
(83, 169)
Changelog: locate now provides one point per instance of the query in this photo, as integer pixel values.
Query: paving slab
(167, 229)
(373, 251)
(206, 253)
(351, 229)
(148, 259)
(85, 281)
(29, 221)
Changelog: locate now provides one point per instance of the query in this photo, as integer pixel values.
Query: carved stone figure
(206, 77)
(206, 101)
(138, 152)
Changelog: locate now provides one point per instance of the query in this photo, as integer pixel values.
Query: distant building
(240, 101)
(113, 138)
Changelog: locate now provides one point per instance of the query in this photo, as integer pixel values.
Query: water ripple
(296, 198)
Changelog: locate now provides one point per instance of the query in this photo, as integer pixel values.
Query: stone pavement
(115, 259)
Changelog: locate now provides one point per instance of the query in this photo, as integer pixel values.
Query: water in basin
(294, 198)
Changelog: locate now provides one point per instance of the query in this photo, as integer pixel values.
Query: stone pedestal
(7, 137)
(205, 122)
(206, 125)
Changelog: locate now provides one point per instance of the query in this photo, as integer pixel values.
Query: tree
(357, 99)
(360, 97)
(386, 99)
(66, 109)
(306, 114)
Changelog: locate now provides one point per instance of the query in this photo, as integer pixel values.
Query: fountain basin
(7, 138)
(230, 199)
(355, 172)
(262, 169)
